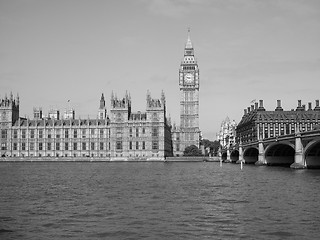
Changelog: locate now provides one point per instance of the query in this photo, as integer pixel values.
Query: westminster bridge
(299, 150)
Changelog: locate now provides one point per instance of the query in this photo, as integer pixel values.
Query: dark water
(157, 201)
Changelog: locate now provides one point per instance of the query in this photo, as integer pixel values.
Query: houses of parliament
(116, 134)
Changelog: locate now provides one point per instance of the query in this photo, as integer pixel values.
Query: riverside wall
(92, 159)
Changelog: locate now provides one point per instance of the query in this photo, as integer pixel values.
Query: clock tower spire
(189, 103)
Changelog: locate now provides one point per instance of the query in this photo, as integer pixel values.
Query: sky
(55, 51)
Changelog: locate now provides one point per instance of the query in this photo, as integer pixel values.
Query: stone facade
(227, 133)
(121, 135)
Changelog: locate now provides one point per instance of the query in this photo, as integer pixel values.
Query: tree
(214, 146)
(192, 151)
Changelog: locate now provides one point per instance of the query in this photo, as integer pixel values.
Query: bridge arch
(250, 155)
(234, 155)
(280, 154)
(312, 154)
(224, 156)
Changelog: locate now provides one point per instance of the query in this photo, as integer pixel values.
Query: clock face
(188, 78)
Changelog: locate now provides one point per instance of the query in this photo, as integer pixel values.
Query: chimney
(245, 111)
(261, 103)
(299, 108)
(252, 107)
(309, 106)
(248, 109)
(37, 113)
(261, 108)
(317, 108)
(279, 108)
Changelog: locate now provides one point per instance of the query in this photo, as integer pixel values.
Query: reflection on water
(157, 201)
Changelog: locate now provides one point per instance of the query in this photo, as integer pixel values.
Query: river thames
(107, 200)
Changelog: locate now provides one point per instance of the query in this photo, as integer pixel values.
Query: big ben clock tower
(189, 101)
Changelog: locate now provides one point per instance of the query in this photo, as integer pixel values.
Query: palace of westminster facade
(119, 135)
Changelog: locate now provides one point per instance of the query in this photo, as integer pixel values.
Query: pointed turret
(189, 43)
(102, 113)
(163, 98)
(188, 50)
(102, 102)
(18, 99)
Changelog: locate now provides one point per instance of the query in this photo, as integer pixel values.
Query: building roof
(279, 116)
(60, 123)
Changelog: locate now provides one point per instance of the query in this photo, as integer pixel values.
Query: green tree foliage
(212, 145)
(192, 151)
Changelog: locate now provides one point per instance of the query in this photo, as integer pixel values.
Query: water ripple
(157, 201)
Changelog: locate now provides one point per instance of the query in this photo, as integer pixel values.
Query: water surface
(83, 200)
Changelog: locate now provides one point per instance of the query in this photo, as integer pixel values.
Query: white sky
(53, 51)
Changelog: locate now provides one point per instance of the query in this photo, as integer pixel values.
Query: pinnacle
(189, 43)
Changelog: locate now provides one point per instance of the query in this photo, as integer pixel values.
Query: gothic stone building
(121, 135)
(257, 123)
(227, 133)
(188, 133)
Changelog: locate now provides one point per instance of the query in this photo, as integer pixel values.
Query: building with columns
(188, 133)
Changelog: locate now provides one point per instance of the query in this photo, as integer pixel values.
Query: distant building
(227, 133)
(257, 123)
(188, 133)
(121, 135)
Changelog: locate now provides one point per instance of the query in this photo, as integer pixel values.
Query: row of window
(188, 136)
(271, 130)
(57, 146)
(155, 145)
(189, 109)
(136, 132)
(49, 134)
(101, 155)
(143, 147)
(189, 67)
(188, 123)
(189, 96)
(75, 146)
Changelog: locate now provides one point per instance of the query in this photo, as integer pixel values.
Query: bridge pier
(298, 150)
(299, 162)
(240, 154)
(228, 160)
(261, 159)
